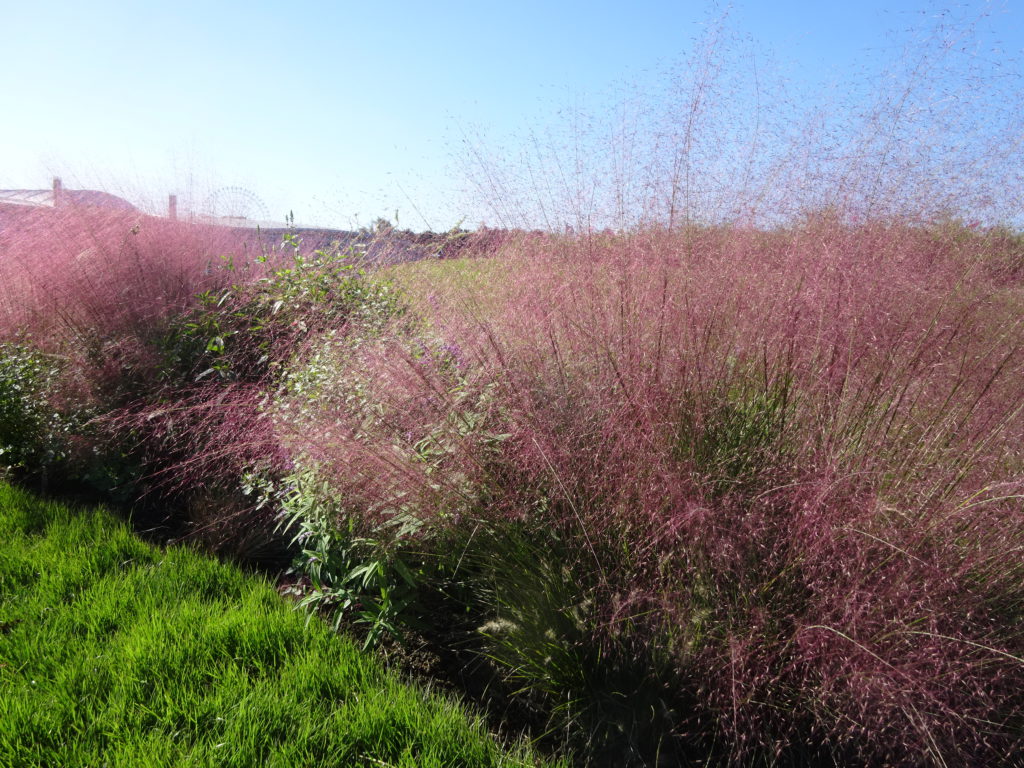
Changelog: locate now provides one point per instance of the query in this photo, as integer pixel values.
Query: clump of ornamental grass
(745, 495)
(92, 294)
(92, 273)
(155, 336)
(102, 289)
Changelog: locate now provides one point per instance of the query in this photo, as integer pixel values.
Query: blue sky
(343, 111)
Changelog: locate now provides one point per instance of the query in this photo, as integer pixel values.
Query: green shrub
(249, 331)
(357, 570)
(33, 432)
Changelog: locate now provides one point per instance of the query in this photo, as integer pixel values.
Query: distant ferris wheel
(235, 203)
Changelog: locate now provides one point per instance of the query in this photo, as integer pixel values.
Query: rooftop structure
(58, 196)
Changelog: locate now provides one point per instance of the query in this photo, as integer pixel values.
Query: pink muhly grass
(208, 436)
(84, 271)
(766, 428)
(99, 291)
(785, 441)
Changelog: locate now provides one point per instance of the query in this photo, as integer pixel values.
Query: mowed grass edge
(117, 653)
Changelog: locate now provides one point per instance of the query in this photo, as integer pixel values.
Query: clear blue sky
(341, 109)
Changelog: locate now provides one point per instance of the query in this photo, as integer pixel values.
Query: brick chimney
(58, 192)
(172, 207)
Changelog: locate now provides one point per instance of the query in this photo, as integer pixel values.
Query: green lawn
(478, 286)
(117, 653)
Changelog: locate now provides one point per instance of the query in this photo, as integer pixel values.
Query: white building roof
(43, 198)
